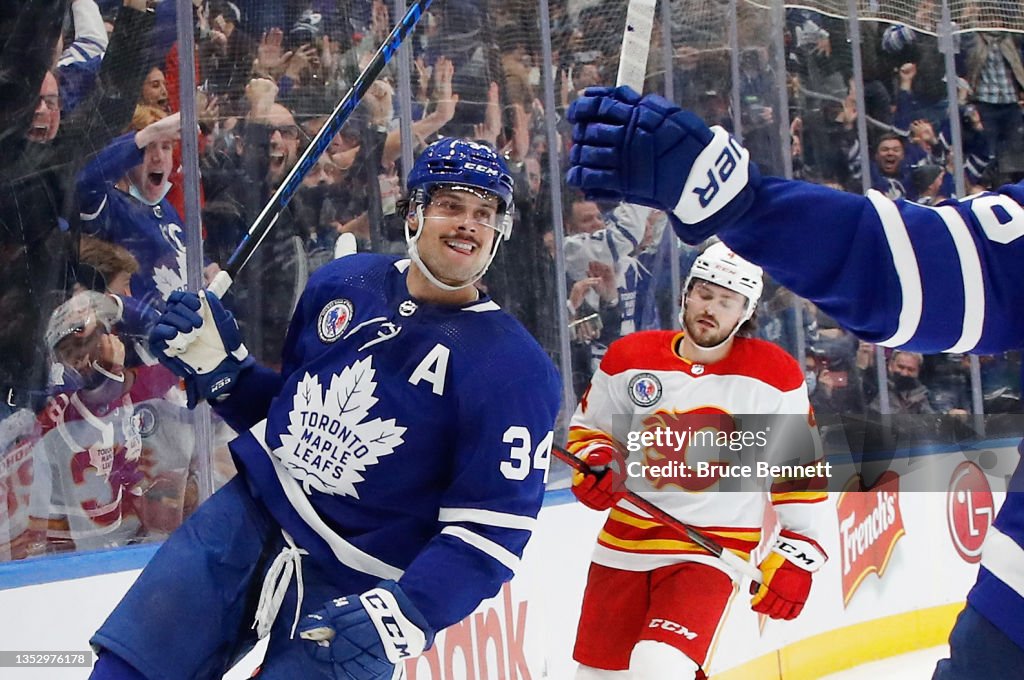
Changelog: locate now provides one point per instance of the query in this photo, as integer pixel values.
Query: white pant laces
(275, 587)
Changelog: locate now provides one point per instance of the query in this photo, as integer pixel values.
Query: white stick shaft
(742, 566)
(636, 43)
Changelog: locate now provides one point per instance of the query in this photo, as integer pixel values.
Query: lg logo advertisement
(970, 509)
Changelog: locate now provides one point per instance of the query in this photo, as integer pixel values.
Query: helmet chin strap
(412, 241)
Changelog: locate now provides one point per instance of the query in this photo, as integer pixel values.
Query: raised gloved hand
(786, 576)
(602, 487)
(199, 341)
(366, 635)
(651, 152)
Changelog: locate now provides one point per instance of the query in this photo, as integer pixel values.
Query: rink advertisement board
(900, 576)
(901, 563)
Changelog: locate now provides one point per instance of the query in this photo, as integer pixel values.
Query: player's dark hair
(749, 327)
(887, 137)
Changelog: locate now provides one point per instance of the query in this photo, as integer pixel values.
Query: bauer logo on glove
(719, 174)
(648, 151)
(198, 339)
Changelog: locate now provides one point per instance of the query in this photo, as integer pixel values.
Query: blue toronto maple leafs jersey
(945, 278)
(152, 233)
(402, 440)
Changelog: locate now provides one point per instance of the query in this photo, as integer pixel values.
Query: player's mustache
(462, 237)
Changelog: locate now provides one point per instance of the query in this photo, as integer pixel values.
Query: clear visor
(451, 201)
(717, 296)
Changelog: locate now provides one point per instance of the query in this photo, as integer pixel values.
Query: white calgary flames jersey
(18, 434)
(644, 386)
(93, 463)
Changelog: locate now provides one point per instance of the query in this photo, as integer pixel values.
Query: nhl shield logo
(334, 319)
(645, 389)
(145, 419)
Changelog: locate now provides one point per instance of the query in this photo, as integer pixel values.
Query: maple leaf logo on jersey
(168, 280)
(330, 442)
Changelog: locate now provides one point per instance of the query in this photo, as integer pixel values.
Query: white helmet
(721, 266)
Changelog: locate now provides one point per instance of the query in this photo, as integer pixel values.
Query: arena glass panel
(267, 74)
(98, 449)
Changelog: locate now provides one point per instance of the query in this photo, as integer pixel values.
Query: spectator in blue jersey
(80, 61)
(40, 155)
(896, 273)
(122, 196)
(407, 490)
(889, 172)
(927, 182)
(584, 217)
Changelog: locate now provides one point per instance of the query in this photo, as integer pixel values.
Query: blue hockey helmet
(465, 166)
(459, 162)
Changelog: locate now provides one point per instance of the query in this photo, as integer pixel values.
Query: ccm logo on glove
(391, 625)
(802, 553)
(786, 574)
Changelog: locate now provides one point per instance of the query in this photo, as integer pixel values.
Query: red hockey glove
(787, 575)
(603, 486)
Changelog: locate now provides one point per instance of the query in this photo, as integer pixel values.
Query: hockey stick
(205, 345)
(691, 533)
(636, 43)
(274, 207)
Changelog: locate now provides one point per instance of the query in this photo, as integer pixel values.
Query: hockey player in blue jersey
(946, 278)
(389, 475)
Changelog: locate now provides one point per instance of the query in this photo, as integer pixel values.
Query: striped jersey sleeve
(943, 278)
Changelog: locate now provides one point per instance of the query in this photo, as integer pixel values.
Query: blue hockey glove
(199, 341)
(137, 317)
(366, 635)
(651, 152)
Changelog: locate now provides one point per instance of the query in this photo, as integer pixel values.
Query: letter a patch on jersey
(330, 440)
(433, 369)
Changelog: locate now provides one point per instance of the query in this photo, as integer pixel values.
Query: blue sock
(110, 666)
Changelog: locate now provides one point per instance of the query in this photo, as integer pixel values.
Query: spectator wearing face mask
(907, 394)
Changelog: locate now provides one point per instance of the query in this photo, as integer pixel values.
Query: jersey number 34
(523, 456)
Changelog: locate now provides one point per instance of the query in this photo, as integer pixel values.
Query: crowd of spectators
(96, 448)
(911, 157)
